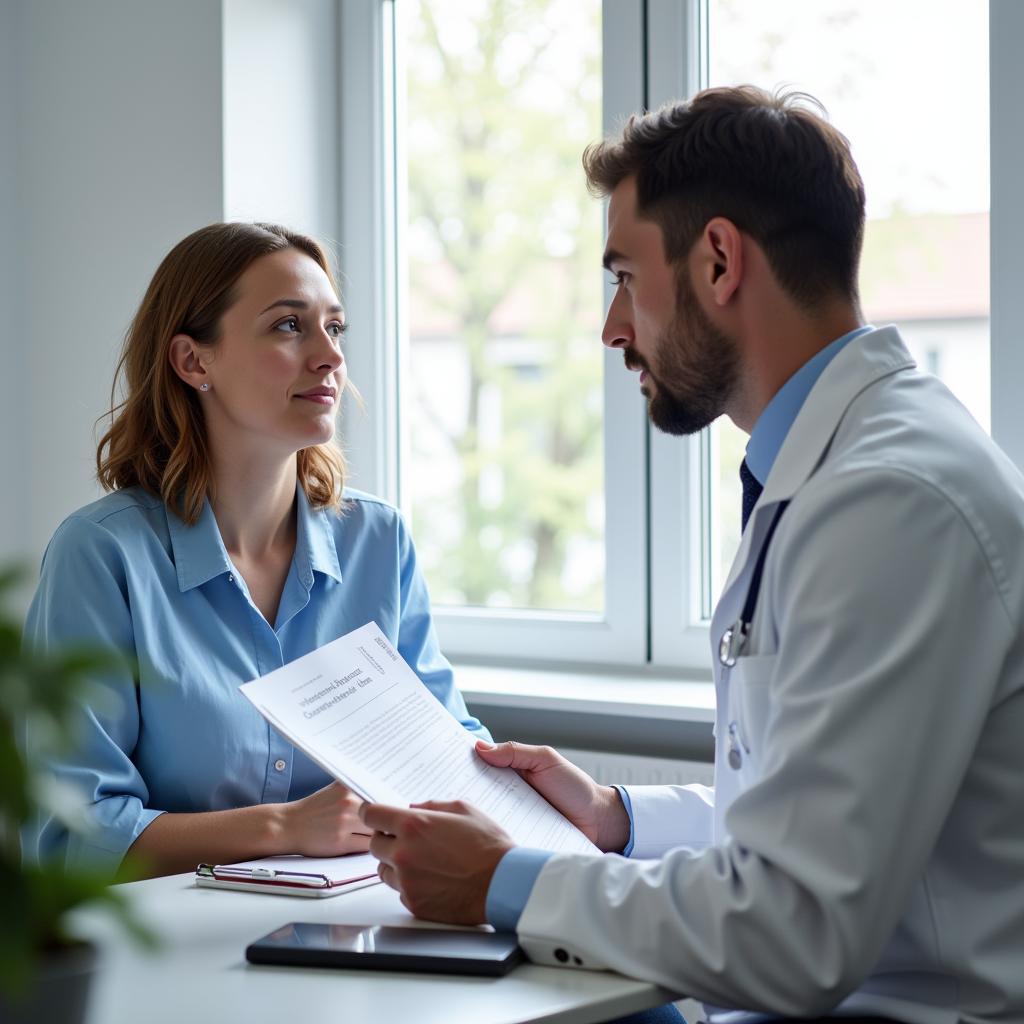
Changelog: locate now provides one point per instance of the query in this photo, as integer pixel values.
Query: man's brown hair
(775, 168)
(157, 435)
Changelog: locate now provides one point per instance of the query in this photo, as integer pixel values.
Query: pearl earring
(204, 387)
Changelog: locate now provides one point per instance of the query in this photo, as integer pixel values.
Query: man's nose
(618, 329)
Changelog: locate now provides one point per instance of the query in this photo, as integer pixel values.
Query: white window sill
(619, 695)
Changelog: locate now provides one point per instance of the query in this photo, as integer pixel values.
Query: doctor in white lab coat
(862, 852)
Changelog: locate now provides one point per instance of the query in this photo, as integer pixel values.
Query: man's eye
(619, 278)
(289, 324)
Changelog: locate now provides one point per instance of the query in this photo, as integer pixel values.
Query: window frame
(1006, 155)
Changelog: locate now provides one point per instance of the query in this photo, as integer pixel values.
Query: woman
(225, 550)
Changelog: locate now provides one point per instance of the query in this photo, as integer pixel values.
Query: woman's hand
(597, 811)
(325, 823)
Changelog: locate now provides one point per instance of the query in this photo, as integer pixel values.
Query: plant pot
(59, 990)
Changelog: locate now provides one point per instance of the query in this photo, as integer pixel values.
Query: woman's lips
(322, 394)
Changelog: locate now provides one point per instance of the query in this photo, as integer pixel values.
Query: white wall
(13, 341)
(120, 155)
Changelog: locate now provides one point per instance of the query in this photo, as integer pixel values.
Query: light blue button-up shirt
(517, 871)
(126, 572)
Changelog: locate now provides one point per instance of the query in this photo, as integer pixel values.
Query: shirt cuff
(628, 848)
(511, 885)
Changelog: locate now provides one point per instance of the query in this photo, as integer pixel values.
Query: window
(502, 473)
(509, 416)
(518, 447)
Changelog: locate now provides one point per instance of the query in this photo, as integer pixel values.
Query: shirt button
(231, 577)
(280, 765)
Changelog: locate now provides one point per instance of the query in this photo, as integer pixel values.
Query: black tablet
(382, 947)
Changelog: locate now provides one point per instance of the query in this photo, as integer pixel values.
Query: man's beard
(695, 370)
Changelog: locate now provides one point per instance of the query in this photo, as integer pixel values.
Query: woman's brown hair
(157, 436)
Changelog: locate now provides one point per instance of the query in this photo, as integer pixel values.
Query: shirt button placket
(279, 778)
(279, 774)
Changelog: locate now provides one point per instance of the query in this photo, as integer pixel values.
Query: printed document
(356, 708)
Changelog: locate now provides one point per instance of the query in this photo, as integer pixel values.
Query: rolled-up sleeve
(82, 600)
(417, 638)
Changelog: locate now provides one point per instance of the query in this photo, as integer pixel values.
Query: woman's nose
(328, 355)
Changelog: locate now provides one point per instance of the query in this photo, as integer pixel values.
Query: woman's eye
(336, 329)
(289, 324)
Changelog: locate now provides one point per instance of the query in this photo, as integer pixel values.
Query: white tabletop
(200, 974)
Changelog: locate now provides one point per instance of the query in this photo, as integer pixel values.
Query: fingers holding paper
(440, 857)
(597, 811)
(326, 823)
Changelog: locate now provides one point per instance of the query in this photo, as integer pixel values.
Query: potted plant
(44, 970)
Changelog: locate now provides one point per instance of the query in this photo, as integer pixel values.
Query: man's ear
(720, 253)
(183, 355)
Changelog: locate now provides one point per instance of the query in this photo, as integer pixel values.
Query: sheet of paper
(337, 869)
(358, 710)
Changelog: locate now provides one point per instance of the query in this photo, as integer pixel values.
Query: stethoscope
(734, 639)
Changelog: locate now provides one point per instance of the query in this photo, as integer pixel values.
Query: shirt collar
(315, 549)
(772, 426)
(199, 552)
(200, 555)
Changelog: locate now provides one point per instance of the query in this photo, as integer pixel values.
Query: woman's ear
(183, 355)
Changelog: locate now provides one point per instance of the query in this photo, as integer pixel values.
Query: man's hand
(325, 823)
(597, 811)
(439, 857)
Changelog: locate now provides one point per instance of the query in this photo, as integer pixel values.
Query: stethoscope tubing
(734, 639)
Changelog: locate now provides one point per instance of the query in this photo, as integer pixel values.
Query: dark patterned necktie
(752, 489)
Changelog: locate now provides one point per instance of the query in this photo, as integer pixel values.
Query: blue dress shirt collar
(200, 555)
(772, 426)
(315, 549)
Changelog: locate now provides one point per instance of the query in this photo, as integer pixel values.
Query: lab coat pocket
(749, 706)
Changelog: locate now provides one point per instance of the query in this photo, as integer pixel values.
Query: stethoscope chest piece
(730, 647)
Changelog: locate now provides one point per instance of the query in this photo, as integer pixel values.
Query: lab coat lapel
(864, 361)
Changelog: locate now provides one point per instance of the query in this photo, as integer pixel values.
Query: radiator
(638, 770)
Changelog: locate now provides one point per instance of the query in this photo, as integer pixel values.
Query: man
(863, 850)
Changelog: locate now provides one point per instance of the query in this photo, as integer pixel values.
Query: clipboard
(315, 877)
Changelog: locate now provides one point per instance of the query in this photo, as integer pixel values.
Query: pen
(299, 877)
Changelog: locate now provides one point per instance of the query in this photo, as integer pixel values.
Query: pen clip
(304, 878)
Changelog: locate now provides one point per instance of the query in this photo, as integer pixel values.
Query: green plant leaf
(44, 692)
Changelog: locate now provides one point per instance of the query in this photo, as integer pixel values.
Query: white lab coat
(869, 850)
